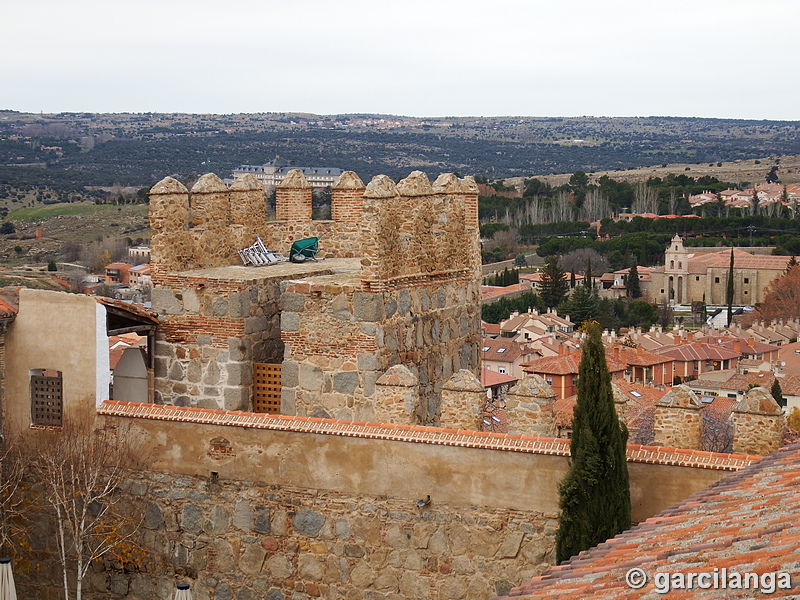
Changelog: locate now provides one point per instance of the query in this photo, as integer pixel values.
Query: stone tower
(676, 272)
(678, 420)
(758, 423)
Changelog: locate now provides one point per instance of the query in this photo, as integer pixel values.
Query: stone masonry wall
(758, 423)
(211, 333)
(253, 541)
(678, 420)
(206, 227)
(340, 340)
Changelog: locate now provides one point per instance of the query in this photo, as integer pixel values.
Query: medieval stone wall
(256, 541)
(758, 423)
(211, 332)
(206, 227)
(340, 340)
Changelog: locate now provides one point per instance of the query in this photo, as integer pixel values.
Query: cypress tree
(594, 495)
(777, 393)
(632, 283)
(729, 291)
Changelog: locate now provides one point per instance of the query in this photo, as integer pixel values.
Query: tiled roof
(790, 383)
(414, 433)
(500, 349)
(490, 378)
(697, 351)
(135, 309)
(565, 364)
(492, 329)
(746, 522)
(6, 310)
(700, 263)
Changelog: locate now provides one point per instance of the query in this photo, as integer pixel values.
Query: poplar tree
(594, 495)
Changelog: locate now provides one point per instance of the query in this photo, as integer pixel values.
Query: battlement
(410, 233)
(400, 285)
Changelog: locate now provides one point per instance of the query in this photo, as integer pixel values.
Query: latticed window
(46, 397)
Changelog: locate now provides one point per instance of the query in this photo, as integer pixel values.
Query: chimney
(689, 336)
(697, 343)
(737, 346)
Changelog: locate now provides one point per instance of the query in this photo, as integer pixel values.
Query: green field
(40, 213)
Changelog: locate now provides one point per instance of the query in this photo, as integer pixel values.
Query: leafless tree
(561, 209)
(595, 205)
(717, 433)
(645, 199)
(577, 261)
(12, 514)
(673, 201)
(80, 469)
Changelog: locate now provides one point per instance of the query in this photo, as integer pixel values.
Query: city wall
(252, 506)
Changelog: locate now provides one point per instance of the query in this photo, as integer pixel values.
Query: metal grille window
(267, 388)
(46, 398)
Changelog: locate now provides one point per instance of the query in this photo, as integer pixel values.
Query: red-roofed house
(117, 273)
(693, 359)
(504, 356)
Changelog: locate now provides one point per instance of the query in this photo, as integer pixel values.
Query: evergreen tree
(582, 306)
(632, 288)
(777, 393)
(554, 283)
(594, 495)
(729, 291)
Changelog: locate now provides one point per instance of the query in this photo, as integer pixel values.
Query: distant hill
(73, 150)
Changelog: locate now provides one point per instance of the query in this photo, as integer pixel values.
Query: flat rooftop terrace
(339, 270)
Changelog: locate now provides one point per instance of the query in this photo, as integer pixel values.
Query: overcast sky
(703, 58)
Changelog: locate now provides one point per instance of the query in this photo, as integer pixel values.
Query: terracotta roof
(564, 364)
(747, 345)
(700, 263)
(491, 378)
(134, 309)
(493, 291)
(414, 433)
(6, 310)
(500, 349)
(746, 522)
(492, 329)
(640, 357)
(697, 351)
(790, 383)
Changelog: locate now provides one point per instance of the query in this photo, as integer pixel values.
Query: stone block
(290, 321)
(192, 519)
(219, 520)
(252, 559)
(345, 382)
(309, 377)
(292, 302)
(261, 520)
(191, 302)
(153, 519)
(308, 522)
(368, 306)
(240, 373)
(367, 362)
(279, 567)
(243, 515)
(240, 305)
(239, 349)
(288, 402)
(164, 302)
(236, 398)
(255, 324)
(289, 374)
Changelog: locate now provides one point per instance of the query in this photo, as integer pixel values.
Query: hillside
(68, 151)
